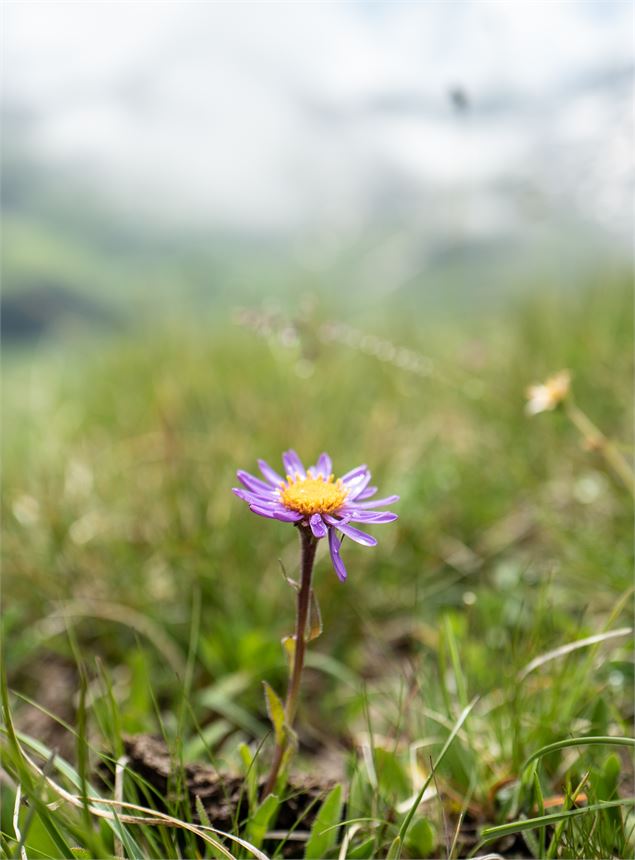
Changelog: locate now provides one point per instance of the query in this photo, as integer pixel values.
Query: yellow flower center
(313, 495)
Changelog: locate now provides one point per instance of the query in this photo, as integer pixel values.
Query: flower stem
(309, 545)
(596, 439)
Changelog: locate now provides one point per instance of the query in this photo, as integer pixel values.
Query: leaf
(359, 792)
(611, 773)
(315, 618)
(203, 817)
(321, 838)
(251, 773)
(538, 796)
(220, 697)
(206, 738)
(394, 852)
(275, 711)
(314, 629)
(600, 717)
(245, 755)
(260, 822)
(606, 785)
(364, 851)
(539, 849)
(330, 666)
(529, 838)
(392, 778)
(288, 646)
(453, 649)
(422, 839)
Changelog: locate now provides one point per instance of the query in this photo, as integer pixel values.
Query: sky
(262, 115)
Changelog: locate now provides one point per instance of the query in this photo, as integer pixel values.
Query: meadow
(471, 692)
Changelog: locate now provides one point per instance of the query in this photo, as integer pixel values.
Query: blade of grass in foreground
(526, 780)
(73, 777)
(20, 763)
(154, 817)
(576, 742)
(403, 830)
(490, 833)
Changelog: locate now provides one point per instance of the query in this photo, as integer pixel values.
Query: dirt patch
(223, 796)
(52, 682)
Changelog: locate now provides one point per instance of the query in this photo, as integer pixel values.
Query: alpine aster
(314, 499)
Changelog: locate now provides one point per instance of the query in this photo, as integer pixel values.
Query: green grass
(129, 563)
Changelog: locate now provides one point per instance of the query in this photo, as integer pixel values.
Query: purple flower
(313, 498)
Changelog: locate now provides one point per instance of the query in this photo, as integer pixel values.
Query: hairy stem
(309, 546)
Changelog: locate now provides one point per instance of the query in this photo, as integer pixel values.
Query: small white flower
(549, 394)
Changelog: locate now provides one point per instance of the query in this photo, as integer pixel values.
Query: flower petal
(334, 546)
(372, 517)
(255, 498)
(354, 473)
(358, 487)
(262, 512)
(377, 503)
(366, 494)
(274, 514)
(272, 476)
(287, 516)
(344, 517)
(292, 463)
(266, 505)
(357, 535)
(254, 484)
(317, 526)
(324, 466)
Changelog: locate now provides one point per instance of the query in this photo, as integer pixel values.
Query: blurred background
(180, 157)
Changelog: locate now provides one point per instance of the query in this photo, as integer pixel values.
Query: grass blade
(576, 742)
(403, 830)
(490, 833)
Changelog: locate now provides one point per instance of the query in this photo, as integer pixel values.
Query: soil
(223, 796)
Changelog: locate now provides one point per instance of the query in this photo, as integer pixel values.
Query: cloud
(265, 115)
